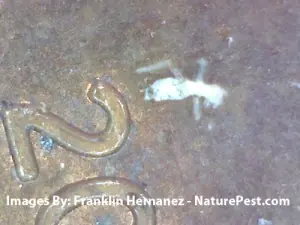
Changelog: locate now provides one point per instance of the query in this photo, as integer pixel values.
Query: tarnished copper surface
(51, 49)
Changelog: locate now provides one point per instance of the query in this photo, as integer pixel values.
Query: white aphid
(179, 88)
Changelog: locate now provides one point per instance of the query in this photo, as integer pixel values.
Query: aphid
(179, 88)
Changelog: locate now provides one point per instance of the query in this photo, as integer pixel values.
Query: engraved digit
(19, 120)
(93, 188)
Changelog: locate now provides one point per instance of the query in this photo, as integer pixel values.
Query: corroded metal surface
(49, 50)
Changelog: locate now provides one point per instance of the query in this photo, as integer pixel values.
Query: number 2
(20, 119)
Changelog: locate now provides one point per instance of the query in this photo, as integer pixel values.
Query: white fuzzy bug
(179, 88)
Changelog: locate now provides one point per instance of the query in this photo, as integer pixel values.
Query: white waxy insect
(179, 88)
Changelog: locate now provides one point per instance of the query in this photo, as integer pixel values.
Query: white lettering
(239, 199)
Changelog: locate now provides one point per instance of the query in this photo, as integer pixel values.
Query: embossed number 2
(20, 120)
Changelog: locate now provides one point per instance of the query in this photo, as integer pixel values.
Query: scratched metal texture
(49, 51)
